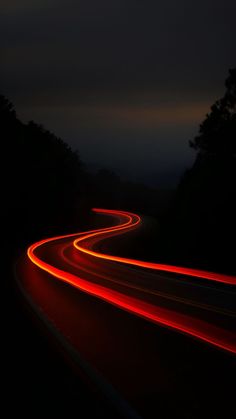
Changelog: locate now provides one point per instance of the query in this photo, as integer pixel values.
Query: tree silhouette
(7, 111)
(202, 222)
(218, 130)
(43, 178)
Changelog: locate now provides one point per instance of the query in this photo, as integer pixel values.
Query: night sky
(125, 82)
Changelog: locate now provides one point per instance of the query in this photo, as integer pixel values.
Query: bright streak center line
(78, 244)
(192, 326)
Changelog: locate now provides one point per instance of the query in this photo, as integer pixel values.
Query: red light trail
(79, 274)
(227, 279)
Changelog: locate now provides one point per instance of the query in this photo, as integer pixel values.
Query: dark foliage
(43, 179)
(218, 131)
(202, 220)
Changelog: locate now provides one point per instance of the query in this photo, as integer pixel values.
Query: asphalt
(143, 368)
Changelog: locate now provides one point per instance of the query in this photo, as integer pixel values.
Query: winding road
(85, 293)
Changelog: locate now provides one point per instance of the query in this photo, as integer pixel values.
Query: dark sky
(126, 82)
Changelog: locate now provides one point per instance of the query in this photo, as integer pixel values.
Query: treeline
(42, 180)
(200, 228)
(48, 189)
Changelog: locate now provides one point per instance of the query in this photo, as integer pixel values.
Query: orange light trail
(195, 327)
(227, 279)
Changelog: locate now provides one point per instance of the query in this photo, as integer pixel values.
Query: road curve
(197, 303)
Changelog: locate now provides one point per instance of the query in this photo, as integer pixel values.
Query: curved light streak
(227, 279)
(180, 322)
(146, 290)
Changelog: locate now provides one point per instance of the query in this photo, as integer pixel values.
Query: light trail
(146, 290)
(84, 243)
(227, 279)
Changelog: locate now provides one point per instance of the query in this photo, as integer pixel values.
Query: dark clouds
(98, 64)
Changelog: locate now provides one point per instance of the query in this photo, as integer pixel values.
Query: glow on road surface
(78, 243)
(84, 244)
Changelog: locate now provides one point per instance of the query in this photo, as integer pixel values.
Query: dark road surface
(110, 320)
